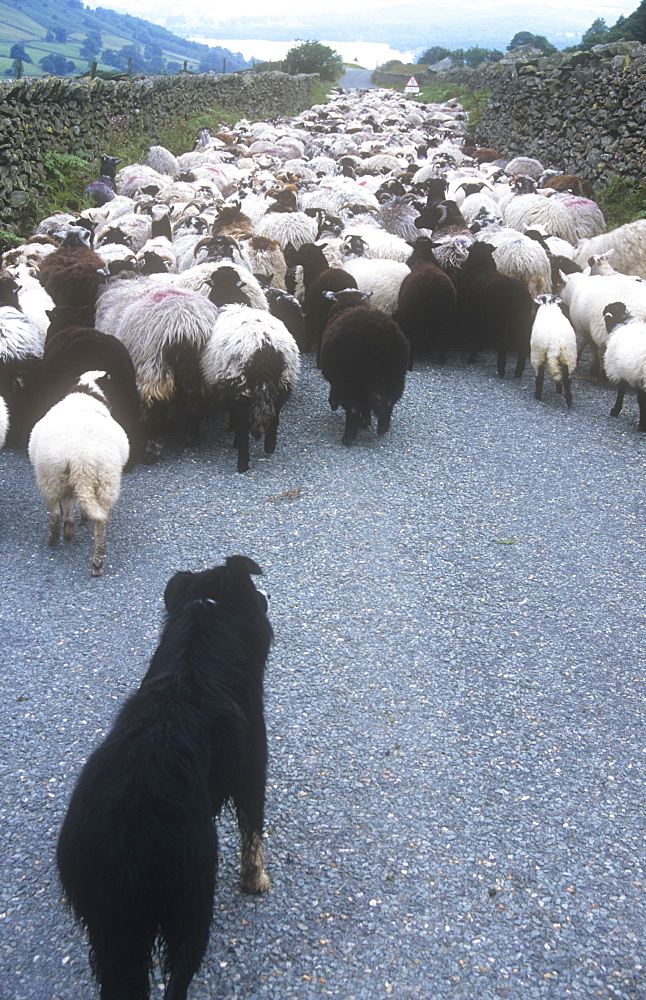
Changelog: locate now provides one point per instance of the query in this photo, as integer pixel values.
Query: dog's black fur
(137, 852)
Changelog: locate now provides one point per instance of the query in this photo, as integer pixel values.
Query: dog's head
(230, 585)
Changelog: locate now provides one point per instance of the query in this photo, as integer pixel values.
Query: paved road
(357, 79)
(455, 698)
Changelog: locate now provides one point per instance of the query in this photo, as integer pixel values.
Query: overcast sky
(158, 10)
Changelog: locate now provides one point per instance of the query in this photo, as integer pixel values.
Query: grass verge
(473, 100)
(622, 200)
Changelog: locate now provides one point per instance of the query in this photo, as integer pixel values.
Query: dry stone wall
(581, 112)
(66, 116)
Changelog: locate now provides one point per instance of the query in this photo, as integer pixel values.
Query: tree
(476, 55)
(313, 57)
(433, 55)
(17, 51)
(527, 38)
(91, 45)
(57, 65)
(595, 35)
(60, 34)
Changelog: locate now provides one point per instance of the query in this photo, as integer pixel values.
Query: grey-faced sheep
(78, 452)
(553, 346)
(625, 358)
(250, 363)
(495, 311)
(451, 235)
(364, 357)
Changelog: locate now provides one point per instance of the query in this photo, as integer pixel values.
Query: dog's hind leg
(120, 959)
(185, 928)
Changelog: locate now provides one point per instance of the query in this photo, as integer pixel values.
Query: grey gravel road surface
(455, 698)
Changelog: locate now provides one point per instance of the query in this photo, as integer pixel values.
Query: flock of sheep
(366, 229)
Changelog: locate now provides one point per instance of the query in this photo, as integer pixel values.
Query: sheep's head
(615, 314)
(9, 289)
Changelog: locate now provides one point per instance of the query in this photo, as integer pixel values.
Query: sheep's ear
(586, 270)
(332, 296)
(607, 255)
(565, 278)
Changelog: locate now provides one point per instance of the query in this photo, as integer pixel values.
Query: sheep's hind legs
(621, 392)
(540, 376)
(351, 423)
(270, 437)
(641, 399)
(68, 518)
(520, 364)
(99, 548)
(54, 526)
(567, 386)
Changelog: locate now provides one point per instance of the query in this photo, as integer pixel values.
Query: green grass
(622, 201)
(67, 175)
(473, 101)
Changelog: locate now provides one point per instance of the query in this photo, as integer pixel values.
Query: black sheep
(318, 278)
(72, 348)
(364, 357)
(104, 189)
(21, 350)
(495, 312)
(427, 303)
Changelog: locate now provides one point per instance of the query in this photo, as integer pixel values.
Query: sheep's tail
(265, 387)
(95, 486)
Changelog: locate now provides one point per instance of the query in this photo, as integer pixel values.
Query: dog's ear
(241, 564)
(238, 586)
(176, 589)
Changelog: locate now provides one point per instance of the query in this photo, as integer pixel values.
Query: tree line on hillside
(64, 21)
(631, 28)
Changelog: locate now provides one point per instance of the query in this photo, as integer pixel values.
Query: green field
(29, 22)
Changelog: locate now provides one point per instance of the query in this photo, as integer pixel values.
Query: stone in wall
(580, 112)
(70, 116)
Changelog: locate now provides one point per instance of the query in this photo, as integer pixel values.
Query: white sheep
(518, 256)
(628, 243)
(528, 211)
(625, 358)
(32, 297)
(294, 228)
(197, 278)
(251, 363)
(4, 421)
(586, 296)
(553, 346)
(379, 277)
(78, 453)
(162, 160)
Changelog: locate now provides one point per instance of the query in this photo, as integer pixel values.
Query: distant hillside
(68, 37)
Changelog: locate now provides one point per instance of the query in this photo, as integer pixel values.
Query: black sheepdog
(137, 852)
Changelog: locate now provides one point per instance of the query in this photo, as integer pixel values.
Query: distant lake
(368, 54)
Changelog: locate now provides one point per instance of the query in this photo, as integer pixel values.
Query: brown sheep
(73, 274)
